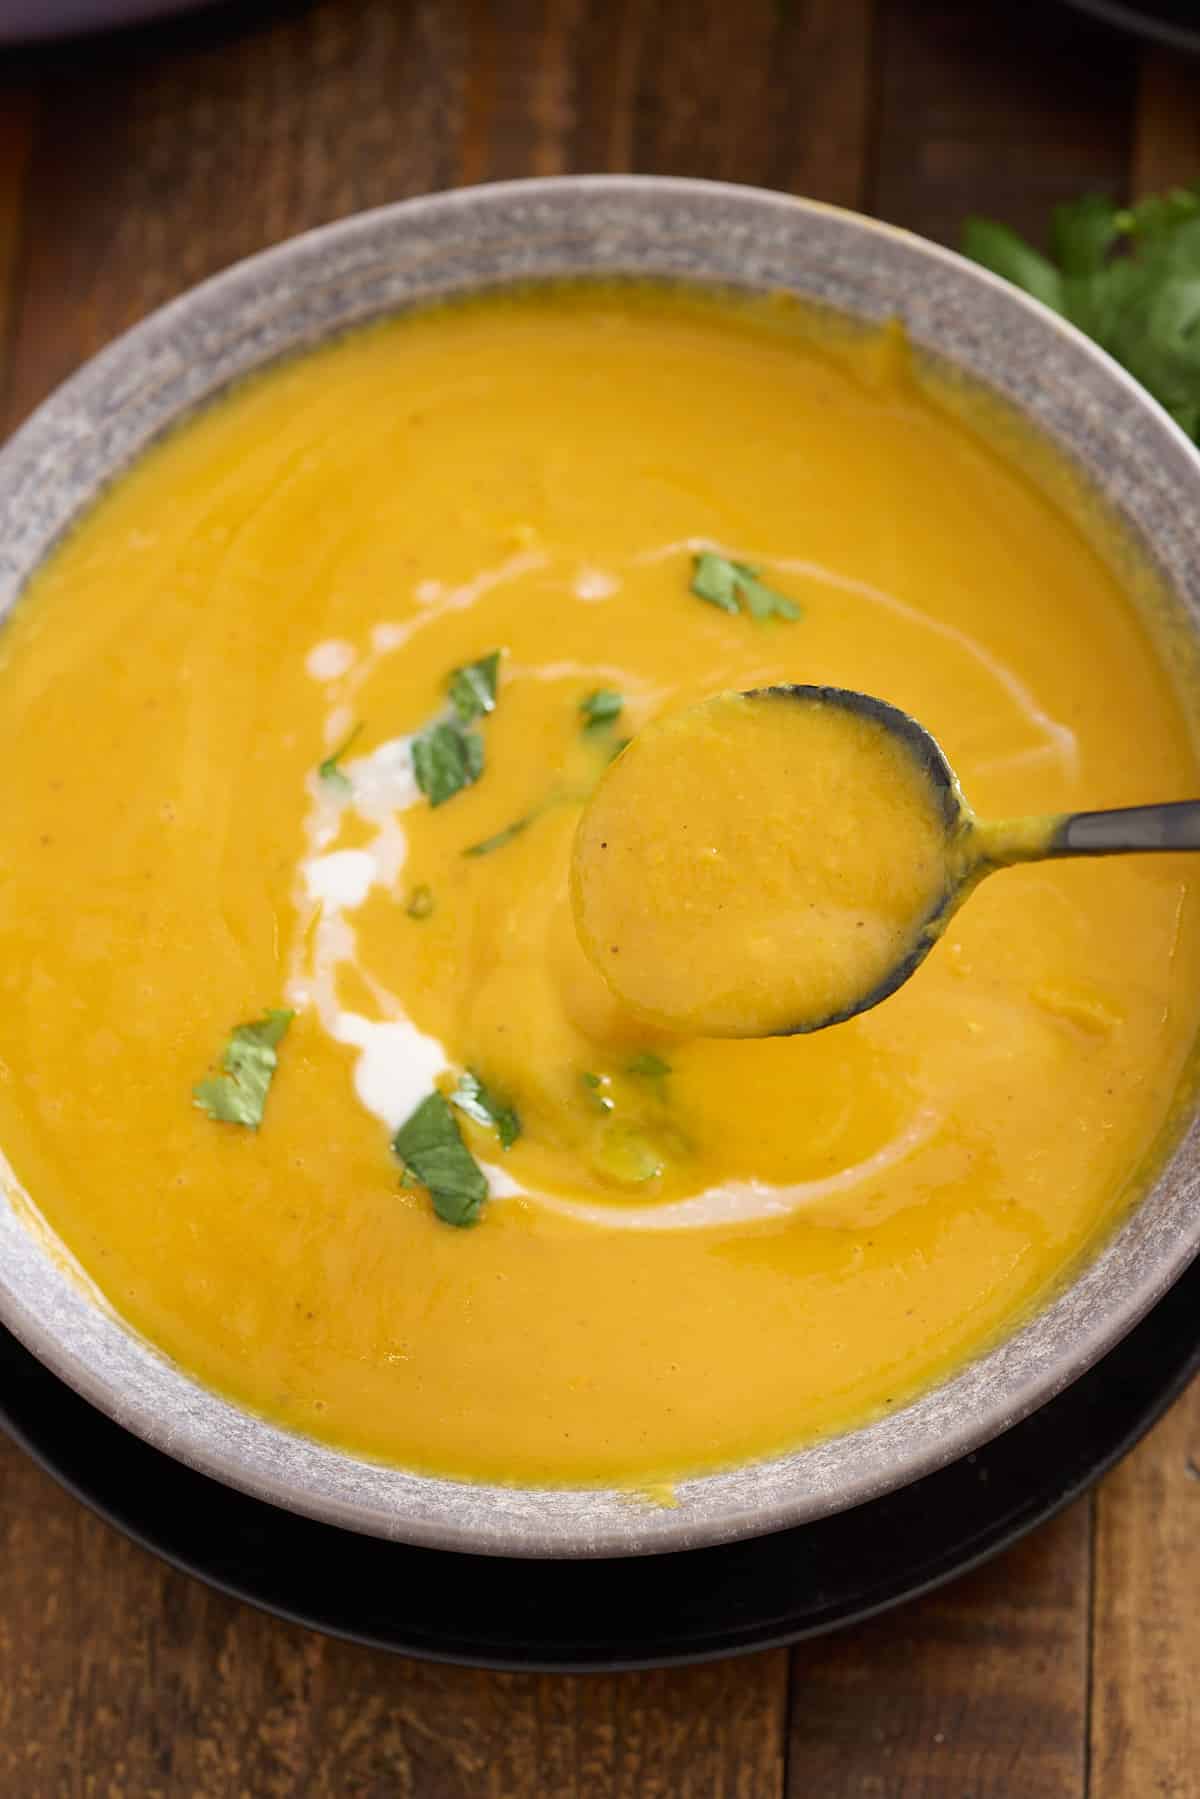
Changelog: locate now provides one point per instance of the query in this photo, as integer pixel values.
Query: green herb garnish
(446, 756)
(238, 1094)
(446, 759)
(648, 1064)
(1127, 276)
(485, 1107)
(735, 585)
(329, 770)
(472, 688)
(595, 1090)
(500, 838)
(430, 1145)
(600, 708)
(420, 901)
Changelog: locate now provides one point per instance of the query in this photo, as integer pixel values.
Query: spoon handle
(1175, 825)
(1171, 826)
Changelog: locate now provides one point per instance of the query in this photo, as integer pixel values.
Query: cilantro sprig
(448, 755)
(485, 1107)
(431, 1147)
(238, 1094)
(601, 707)
(473, 688)
(330, 770)
(737, 587)
(1127, 276)
(498, 839)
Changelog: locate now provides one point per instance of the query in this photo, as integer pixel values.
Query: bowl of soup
(330, 1163)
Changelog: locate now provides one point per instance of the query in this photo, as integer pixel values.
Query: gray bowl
(1136, 460)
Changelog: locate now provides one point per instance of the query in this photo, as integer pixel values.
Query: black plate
(492, 1612)
(1173, 22)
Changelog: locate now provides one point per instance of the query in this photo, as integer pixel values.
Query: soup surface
(758, 864)
(694, 1251)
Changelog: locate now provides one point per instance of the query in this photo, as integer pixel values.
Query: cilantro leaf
(498, 840)
(445, 760)
(595, 1089)
(420, 901)
(430, 1145)
(238, 1094)
(329, 770)
(472, 688)
(600, 708)
(1129, 277)
(1084, 233)
(735, 585)
(997, 248)
(486, 1108)
(648, 1064)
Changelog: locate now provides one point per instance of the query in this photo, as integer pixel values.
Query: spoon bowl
(957, 818)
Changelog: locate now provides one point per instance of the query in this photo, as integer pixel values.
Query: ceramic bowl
(1137, 462)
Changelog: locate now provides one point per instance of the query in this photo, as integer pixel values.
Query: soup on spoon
(773, 862)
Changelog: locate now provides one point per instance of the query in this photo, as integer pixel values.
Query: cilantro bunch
(1128, 276)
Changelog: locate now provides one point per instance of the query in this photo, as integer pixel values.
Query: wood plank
(1146, 1638)
(1166, 146)
(1145, 1722)
(976, 1690)
(18, 109)
(997, 108)
(175, 151)
(773, 92)
(120, 1679)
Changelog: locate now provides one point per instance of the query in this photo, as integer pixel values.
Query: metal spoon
(978, 847)
(739, 916)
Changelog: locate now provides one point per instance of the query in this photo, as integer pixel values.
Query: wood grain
(769, 91)
(120, 1679)
(976, 1690)
(1146, 1647)
(177, 150)
(1145, 1722)
(1000, 109)
(18, 110)
(1166, 145)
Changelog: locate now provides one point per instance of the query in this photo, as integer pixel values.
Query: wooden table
(130, 169)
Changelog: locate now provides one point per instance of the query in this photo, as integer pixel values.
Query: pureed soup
(762, 863)
(301, 720)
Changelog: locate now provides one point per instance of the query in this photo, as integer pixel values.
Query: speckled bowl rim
(374, 263)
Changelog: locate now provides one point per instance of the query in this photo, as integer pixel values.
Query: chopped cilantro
(430, 1145)
(600, 708)
(420, 901)
(445, 760)
(486, 1107)
(472, 688)
(648, 1064)
(238, 1094)
(734, 585)
(500, 838)
(446, 756)
(329, 770)
(1127, 276)
(595, 1090)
